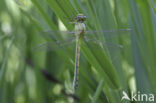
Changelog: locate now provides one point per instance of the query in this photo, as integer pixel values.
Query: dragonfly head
(80, 18)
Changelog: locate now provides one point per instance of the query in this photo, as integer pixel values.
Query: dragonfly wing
(55, 34)
(109, 32)
(51, 46)
(99, 44)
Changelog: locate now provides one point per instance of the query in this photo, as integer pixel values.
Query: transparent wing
(54, 45)
(108, 34)
(62, 42)
(56, 34)
(108, 31)
(100, 45)
(61, 45)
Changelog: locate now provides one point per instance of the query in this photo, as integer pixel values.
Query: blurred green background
(33, 76)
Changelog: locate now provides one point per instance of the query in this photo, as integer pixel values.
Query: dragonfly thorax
(80, 29)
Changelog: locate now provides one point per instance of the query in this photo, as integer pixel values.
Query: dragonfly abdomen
(77, 58)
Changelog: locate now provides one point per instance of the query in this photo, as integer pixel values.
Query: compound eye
(78, 17)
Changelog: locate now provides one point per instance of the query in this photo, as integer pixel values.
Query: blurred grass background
(103, 74)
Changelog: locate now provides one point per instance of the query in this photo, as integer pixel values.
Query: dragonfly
(80, 35)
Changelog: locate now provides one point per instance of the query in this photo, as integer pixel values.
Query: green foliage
(104, 73)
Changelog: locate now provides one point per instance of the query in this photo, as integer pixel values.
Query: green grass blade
(3, 67)
(98, 91)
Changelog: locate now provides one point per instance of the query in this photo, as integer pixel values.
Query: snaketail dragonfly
(80, 35)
